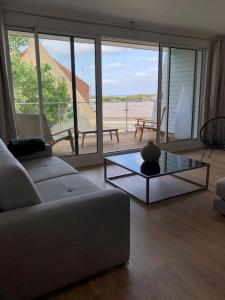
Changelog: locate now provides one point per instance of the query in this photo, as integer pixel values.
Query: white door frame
(202, 89)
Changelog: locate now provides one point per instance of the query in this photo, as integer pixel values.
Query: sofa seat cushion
(65, 187)
(16, 187)
(220, 188)
(47, 168)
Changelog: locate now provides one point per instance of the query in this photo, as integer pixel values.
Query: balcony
(121, 115)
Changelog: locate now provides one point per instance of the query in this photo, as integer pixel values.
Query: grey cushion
(220, 188)
(65, 187)
(47, 168)
(40, 154)
(16, 187)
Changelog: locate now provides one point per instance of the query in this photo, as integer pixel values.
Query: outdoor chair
(149, 124)
(28, 125)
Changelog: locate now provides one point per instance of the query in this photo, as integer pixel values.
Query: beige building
(86, 114)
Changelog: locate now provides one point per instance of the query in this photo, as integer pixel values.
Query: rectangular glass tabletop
(169, 163)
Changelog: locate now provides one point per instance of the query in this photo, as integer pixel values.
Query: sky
(125, 71)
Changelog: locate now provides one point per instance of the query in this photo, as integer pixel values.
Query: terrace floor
(127, 141)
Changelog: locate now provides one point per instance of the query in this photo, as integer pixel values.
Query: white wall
(117, 32)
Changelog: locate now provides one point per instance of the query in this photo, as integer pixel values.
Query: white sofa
(56, 227)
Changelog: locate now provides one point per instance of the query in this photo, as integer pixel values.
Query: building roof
(81, 85)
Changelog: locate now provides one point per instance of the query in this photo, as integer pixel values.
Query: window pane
(182, 70)
(129, 84)
(86, 94)
(197, 93)
(56, 79)
(164, 94)
(25, 87)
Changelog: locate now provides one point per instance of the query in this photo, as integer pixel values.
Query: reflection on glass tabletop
(168, 163)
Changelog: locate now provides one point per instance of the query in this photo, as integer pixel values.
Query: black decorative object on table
(151, 152)
(150, 168)
(21, 147)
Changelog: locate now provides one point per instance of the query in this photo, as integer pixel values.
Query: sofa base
(219, 205)
(61, 242)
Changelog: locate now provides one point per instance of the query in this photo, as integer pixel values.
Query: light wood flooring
(177, 250)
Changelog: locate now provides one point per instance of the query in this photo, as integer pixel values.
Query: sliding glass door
(56, 91)
(129, 88)
(57, 81)
(54, 87)
(179, 93)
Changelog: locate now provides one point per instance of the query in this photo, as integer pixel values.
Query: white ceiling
(197, 17)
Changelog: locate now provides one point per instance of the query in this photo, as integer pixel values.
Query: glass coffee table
(153, 182)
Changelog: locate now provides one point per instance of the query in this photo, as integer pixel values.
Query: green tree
(25, 87)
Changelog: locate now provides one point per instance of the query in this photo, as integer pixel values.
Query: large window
(56, 94)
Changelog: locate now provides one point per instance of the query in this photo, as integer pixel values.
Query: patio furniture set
(29, 125)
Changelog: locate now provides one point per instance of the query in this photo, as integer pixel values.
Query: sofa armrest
(40, 154)
(50, 245)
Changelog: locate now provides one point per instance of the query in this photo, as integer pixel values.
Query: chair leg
(203, 154)
(210, 153)
(110, 133)
(135, 133)
(82, 143)
(117, 136)
(142, 130)
(70, 136)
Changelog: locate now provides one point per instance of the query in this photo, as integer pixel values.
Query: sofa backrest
(16, 187)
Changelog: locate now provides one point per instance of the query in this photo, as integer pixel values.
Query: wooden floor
(177, 250)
